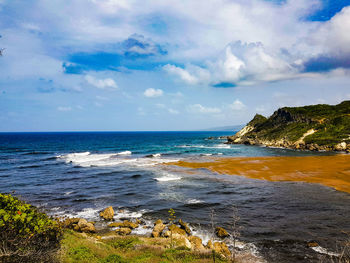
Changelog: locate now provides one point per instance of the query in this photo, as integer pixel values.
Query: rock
(185, 227)
(196, 243)
(183, 241)
(221, 248)
(123, 231)
(209, 245)
(312, 244)
(158, 228)
(177, 230)
(138, 221)
(130, 225)
(108, 213)
(221, 232)
(70, 222)
(116, 224)
(84, 226)
(340, 146)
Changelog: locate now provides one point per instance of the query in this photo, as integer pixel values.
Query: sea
(77, 174)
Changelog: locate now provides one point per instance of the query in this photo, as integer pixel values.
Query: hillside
(317, 127)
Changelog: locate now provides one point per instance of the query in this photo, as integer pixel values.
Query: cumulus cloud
(107, 83)
(198, 108)
(237, 105)
(153, 93)
(62, 108)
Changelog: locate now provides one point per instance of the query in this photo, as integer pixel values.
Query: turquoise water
(78, 174)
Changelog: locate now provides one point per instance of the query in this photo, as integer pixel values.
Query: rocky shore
(172, 234)
(314, 128)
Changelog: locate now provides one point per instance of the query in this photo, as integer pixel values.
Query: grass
(80, 248)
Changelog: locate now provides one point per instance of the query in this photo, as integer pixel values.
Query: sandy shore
(332, 171)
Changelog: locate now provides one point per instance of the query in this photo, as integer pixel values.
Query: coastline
(331, 171)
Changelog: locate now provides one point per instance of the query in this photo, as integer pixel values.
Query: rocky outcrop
(196, 243)
(314, 128)
(185, 227)
(125, 223)
(222, 249)
(158, 228)
(221, 232)
(108, 213)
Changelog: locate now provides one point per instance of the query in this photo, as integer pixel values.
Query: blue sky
(167, 64)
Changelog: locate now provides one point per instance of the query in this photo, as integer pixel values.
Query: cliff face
(317, 127)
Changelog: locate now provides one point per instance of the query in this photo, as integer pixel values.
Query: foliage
(125, 243)
(331, 123)
(27, 235)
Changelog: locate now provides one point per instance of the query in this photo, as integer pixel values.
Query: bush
(113, 259)
(26, 234)
(125, 243)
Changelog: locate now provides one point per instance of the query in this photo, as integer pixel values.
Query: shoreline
(331, 171)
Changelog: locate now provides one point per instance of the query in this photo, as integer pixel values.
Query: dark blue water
(78, 174)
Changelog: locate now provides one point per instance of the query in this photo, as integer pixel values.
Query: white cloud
(237, 105)
(172, 111)
(107, 83)
(152, 93)
(198, 108)
(62, 108)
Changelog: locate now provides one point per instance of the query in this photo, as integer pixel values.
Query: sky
(133, 65)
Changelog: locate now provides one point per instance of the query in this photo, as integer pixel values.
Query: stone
(183, 241)
(123, 231)
(85, 226)
(116, 224)
(177, 230)
(108, 213)
(158, 228)
(130, 225)
(70, 222)
(312, 244)
(221, 248)
(340, 146)
(185, 227)
(209, 245)
(221, 232)
(196, 243)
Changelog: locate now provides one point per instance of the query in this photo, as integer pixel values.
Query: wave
(87, 159)
(167, 178)
(322, 250)
(218, 146)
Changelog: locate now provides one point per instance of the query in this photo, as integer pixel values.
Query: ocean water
(79, 174)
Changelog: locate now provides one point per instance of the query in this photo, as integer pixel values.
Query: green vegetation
(26, 234)
(331, 125)
(80, 248)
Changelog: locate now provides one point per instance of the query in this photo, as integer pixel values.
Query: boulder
(221, 232)
(158, 228)
(183, 241)
(312, 244)
(196, 243)
(123, 231)
(108, 213)
(177, 230)
(222, 249)
(116, 224)
(185, 227)
(70, 222)
(209, 245)
(85, 226)
(340, 146)
(129, 224)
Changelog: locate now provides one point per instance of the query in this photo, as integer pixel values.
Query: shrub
(125, 243)
(113, 259)
(26, 234)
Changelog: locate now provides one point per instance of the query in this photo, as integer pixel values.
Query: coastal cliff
(317, 127)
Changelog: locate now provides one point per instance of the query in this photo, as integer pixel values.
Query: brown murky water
(332, 171)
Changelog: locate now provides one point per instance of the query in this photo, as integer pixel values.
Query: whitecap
(168, 178)
(323, 250)
(194, 201)
(124, 153)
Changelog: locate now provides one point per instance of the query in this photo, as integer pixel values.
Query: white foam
(156, 155)
(218, 146)
(124, 153)
(87, 159)
(124, 213)
(194, 201)
(323, 250)
(167, 178)
(68, 193)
